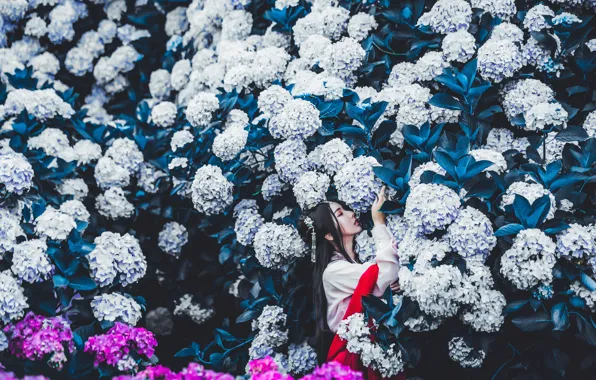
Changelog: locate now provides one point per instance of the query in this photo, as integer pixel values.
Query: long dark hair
(324, 222)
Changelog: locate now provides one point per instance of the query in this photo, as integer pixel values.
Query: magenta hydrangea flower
(334, 370)
(114, 347)
(266, 369)
(193, 371)
(36, 337)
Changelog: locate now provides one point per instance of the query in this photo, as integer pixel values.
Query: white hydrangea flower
(281, 4)
(121, 61)
(360, 25)
(535, 21)
(186, 306)
(503, 9)
(86, 151)
(126, 154)
(236, 25)
(403, 73)
(273, 100)
(343, 58)
(507, 31)
(498, 60)
(180, 139)
(247, 224)
(275, 245)
(590, 124)
(466, 356)
(176, 22)
(30, 262)
(530, 191)
(356, 183)
(471, 235)
(109, 174)
(113, 204)
(499, 163)
(3, 342)
(73, 186)
(298, 119)
(328, 21)
(147, 177)
(535, 55)
(211, 191)
(459, 46)
(10, 229)
(178, 162)
(159, 84)
(172, 237)
(290, 160)
(447, 16)
(269, 65)
(431, 206)
(544, 115)
(76, 209)
(591, 45)
(310, 189)
(36, 27)
(54, 143)
(486, 313)
(116, 256)
(41, 104)
(313, 48)
(12, 300)
(430, 65)
(200, 109)
(228, 144)
(114, 307)
(422, 323)
(365, 247)
(54, 224)
(164, 114)
(180, 73)
(331, 156)
(530, 260)
(525, 94)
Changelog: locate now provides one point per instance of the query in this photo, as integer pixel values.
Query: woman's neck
(349, 246)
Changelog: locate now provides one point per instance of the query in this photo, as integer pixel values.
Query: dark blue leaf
(560, 316)
(447, 101)
(82, 283)
(588, 282)
(514, 306)
(535, 322)
(572, 133)
(509, 229)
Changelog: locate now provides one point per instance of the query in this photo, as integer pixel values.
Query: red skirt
(338, 351)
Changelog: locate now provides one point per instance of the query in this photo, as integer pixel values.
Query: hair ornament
(311, 226)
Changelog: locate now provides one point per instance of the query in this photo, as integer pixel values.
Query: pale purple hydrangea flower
(109, 174)
(172, 237)
(525, 94)
(86, 152)
(459, 46)
(125, 153)
(360, 26)
(530, 191)
(230, 142)
(577, 243)
(302, 358)
(342, 59)
(535, 21)
(30, 262)
(471, 235)
(273, 100)
(272, 187)
(356, 183)
(298, 119)
(430, 65)
(331, 156)
(73, 186)
(12, 300)
(41, 104)
(498, 60)
(10, 229)
(431, 206)
(507, 31)
(503, 9)
(290, 160)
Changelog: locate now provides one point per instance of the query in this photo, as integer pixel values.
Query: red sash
(338, 351)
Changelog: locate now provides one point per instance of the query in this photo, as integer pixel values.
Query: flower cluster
(430, 207)
(211, 191)
(116, 307)
(30, 262)
(465, 355)
(172, 237)
(114, 348)
(12, 300)
(388, 361)
(36, 336)
(186, 306)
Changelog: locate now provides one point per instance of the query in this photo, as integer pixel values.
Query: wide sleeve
(341, 277)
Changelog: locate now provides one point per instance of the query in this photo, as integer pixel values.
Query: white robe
(341, 277)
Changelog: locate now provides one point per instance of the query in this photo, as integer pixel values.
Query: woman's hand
(378, 217)
(395, 287)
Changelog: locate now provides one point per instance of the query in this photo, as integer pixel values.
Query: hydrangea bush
(156, 158)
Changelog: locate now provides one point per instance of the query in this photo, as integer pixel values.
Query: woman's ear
(328, 236)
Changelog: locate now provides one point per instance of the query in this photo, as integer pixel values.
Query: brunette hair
(324, 222)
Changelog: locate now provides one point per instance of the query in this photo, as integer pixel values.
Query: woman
(338, 270)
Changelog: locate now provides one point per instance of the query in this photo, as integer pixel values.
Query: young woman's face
(348, 224)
